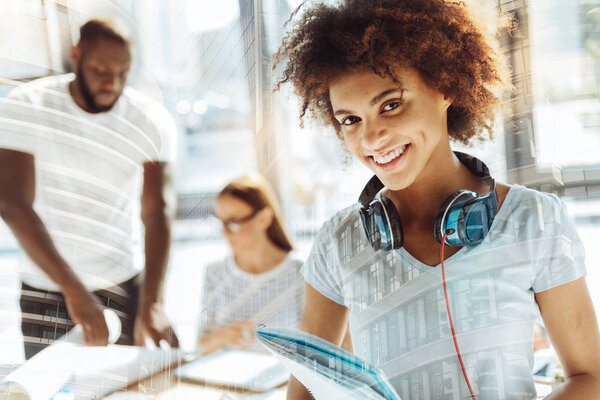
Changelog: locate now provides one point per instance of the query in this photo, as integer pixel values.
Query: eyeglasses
(235, 225)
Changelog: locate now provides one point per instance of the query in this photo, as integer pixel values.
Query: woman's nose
(374, 134)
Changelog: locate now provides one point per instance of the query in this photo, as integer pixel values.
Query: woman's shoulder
(532, 208)
(293, 259)
(218, 266)
(522, 197)
(218, 262)
(291, 264)
(348, 216)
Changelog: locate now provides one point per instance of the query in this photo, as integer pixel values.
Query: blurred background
(209, 62)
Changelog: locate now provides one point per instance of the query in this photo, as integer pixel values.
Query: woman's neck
(261, 258)
(443, 175)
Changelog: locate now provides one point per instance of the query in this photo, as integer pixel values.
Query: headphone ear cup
(477, 223)
(380, 229)
(367, 223)
(395, 226)
(441, 219)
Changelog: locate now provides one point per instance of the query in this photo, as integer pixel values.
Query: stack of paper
(327, 371)
(70, 370)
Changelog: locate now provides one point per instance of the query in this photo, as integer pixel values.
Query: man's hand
(85, 309)
(151, 321)
(236, 334)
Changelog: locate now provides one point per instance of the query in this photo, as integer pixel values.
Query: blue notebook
(327, 371)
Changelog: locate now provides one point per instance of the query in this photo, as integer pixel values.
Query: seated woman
(259, 282)
(443, 285)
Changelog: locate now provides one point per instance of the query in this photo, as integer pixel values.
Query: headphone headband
(371, 189)
(476, 166)
(465, 215)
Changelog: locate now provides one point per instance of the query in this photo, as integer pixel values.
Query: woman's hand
(238, 334)
(323, 318)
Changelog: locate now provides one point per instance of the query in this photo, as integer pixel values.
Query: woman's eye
(391, 106)
(350, 120)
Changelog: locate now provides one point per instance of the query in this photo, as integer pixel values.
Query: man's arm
(17, 193)
(158, 209)
(571, 323)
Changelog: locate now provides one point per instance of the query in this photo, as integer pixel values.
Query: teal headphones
(465, 216)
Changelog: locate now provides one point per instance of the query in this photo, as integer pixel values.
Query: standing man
(77, 151)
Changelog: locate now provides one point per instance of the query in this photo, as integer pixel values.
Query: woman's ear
(266, 216)
(448, 101)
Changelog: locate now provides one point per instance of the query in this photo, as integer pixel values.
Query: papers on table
(84, 372)
(327, 371)
(68, 369)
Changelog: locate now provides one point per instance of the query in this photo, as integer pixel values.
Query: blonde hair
(255, 190)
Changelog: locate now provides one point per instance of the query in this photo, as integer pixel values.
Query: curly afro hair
(440, 39)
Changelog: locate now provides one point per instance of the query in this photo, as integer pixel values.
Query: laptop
(238, 369)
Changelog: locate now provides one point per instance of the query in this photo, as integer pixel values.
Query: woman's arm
(324, 318)
(572, 326)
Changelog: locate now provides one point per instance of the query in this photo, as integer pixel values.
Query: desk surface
(167, 387)
(171, 389)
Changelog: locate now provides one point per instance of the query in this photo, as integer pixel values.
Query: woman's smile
(389, 159)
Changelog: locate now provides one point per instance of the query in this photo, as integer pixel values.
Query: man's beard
(88, 98)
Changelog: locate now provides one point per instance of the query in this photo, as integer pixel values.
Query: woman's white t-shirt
(398, 318)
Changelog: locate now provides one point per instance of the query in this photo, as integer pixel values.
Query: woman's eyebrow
(375, 99)
(342, 112)
(383, 94)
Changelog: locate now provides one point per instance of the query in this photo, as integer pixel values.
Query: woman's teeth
(389, 157)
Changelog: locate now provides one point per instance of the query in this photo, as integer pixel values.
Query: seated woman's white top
(272, 298)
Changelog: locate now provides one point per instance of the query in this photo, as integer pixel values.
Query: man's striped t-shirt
(88, 174)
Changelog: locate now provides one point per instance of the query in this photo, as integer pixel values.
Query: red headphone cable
(462, 365)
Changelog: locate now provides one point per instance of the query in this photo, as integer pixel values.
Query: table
(168, 388)
(165, 386)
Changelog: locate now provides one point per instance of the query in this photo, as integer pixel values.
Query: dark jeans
(44, 316)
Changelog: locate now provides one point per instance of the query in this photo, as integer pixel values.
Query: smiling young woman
(443, 289)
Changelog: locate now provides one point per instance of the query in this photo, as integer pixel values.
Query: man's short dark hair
(108, 28)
